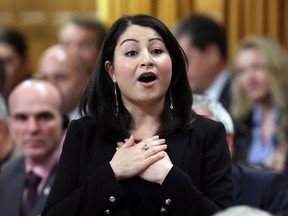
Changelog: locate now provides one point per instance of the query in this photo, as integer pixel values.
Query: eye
(157, 51)
(20, 117)
(131, 53)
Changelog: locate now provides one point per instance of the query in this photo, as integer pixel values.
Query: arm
(216, 189)
(68, 196)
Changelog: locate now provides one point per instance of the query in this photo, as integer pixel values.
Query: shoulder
(84, 123)
(201, 123)
(12, 168)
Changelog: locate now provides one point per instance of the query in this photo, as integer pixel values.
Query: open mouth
(147, 77)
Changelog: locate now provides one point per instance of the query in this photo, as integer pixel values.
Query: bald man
(37, 128)
(68, 72)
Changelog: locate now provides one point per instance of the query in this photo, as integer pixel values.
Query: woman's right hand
(131, 159)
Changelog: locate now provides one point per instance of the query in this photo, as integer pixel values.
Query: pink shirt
(43, 170)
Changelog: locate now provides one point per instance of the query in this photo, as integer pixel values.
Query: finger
(154, 158)
(130, 142)
(154, 150)
(119, 144)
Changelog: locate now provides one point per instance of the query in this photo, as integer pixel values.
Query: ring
(145, 146)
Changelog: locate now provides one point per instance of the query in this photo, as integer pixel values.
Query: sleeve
(68, 197)
(276, 195)
(179, 196)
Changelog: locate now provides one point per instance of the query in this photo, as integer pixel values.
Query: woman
(141, 150)
(259, 106)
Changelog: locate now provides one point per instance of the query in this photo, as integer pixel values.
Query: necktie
(31, 183)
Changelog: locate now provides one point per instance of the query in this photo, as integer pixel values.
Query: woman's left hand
(158, 171)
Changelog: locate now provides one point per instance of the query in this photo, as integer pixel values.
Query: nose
(146, 60)
(32, 125)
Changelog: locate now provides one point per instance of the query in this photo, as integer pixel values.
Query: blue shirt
(260, 150)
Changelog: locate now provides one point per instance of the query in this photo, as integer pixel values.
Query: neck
(145, 121)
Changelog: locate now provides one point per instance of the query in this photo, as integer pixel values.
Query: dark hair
(15, 39)
(203, 31)
(92, 24)
(2, 75)
(98, 100)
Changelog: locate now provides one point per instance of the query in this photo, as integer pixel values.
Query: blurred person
(2, 75)
(37, 126)
(204, 43)
(242, 211)
(261, 189)
(66, 70)
(83, 35)
(8, 151)
(15, 54)
(139, 148)
(260, 103)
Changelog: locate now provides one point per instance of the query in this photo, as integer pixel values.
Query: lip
(148, 84)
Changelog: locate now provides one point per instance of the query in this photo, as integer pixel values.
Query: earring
(116, 100)
(171, 100)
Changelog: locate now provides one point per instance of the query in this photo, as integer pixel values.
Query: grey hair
(218, 112)
(242, 210)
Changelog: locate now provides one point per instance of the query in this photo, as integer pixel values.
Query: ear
(110, 69)
(214, 53)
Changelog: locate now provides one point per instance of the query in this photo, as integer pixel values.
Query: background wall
(39, 20)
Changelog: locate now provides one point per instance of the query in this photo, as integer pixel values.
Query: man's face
(80, 40)
(199, 70)
(35, 122)
(64, 71)
(16, 67)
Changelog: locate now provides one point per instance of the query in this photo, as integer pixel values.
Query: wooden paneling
(40, 20)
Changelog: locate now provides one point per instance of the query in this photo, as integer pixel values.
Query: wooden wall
(39, 20)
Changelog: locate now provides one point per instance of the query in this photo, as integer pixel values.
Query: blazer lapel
(43, 196)
(177, 145)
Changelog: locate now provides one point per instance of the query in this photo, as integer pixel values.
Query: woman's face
(251, 74)
(142, 67)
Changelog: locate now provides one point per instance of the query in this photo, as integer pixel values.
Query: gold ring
(145, 146)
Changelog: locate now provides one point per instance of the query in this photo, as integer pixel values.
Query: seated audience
(204, 43)
(8, 150)
(253, 187)
(83, 35)
(14, 52)
(260, 103)
(67, 71)
(37, 127)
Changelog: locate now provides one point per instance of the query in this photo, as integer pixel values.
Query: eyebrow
(134, 40)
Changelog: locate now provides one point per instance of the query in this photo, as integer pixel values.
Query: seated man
(37, 127)
(256, 188)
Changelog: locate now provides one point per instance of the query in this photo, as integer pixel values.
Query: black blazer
(260, 189)
(198, 184)
(12, 181)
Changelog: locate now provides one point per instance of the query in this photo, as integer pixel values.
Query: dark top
(261, 189)
(199, 182)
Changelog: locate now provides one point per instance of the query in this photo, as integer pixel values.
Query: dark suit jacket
(198, 184)
(12, 181)
(260, 189)
(225, 96)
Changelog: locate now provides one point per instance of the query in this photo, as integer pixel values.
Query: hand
(157, 171)
(130, 159)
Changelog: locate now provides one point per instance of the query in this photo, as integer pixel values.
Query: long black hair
(98, 99)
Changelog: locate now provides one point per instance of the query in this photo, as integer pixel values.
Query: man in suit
(83, 35)
(253, 187)
(66, 70)
(37, 127)
(204, 43)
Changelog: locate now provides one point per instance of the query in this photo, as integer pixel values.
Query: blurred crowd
(250, 91)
